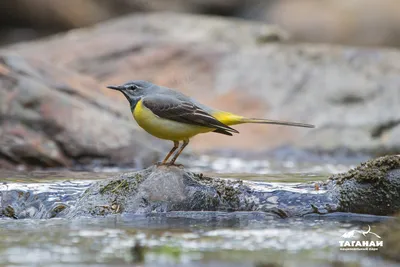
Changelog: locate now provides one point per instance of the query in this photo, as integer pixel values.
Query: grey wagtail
(171, 115)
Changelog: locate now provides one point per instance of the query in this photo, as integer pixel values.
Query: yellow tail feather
(232, 119)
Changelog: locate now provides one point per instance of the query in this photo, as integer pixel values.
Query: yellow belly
(163, 128)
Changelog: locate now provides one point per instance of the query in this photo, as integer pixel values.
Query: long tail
(228, 118)
(287, 123)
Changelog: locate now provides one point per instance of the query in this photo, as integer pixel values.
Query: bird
(169, 114)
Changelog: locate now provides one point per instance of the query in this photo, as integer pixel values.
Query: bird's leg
(176, 145)
(185, 143)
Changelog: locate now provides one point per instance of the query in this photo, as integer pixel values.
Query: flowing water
(179, 238)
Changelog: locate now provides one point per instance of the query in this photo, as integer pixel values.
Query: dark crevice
(351, 99)
(80, 158)
(36, 161)
(33, 104)
(8, 158)
(119, 54)
(379, 130)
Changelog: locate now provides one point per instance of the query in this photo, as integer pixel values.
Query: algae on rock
(371, 188)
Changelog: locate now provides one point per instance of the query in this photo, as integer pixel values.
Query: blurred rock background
(271, 59)
(356, 22)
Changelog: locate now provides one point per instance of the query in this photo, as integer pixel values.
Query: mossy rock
(372, 171)
(371, 188)
(159, 189)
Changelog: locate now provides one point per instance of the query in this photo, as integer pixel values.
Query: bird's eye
(132, 87)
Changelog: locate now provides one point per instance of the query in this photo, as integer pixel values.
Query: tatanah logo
(357, 244)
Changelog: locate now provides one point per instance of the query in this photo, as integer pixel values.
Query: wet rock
(23, 204)
(371, 188)
(158, 189)
(163, 189)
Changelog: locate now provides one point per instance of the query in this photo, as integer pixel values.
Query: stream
(179, 238)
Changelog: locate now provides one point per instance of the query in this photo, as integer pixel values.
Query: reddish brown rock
(351, 94)
(53, 117)
(142, 48)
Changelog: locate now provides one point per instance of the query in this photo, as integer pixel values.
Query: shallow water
(178, 238)
(186, 239)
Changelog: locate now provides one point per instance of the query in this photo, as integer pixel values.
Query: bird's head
(133, 90)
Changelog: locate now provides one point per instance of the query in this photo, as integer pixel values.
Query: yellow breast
(164, 128)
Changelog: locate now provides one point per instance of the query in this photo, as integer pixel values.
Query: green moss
(226, 189)
(9, 212)
(229, 193)
(56, 210)
(268, 38)
(372, 171)
(173, 252)
(115, 187)
(122, 185)
(136, 176)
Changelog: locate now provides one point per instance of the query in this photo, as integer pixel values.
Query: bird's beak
(118, 88)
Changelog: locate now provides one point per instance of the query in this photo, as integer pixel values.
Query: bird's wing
(171, 108)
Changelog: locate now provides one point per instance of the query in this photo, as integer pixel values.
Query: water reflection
(180, 238)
